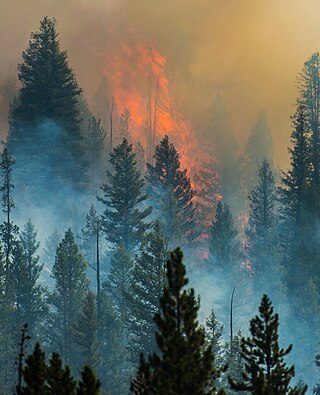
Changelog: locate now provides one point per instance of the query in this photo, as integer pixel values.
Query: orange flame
(138, 79)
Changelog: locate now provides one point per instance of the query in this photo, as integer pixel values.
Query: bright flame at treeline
(137, 80)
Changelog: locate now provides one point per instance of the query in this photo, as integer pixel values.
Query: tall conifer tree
(224, 246)
(183, 364)
(124, 217)
(44, 133)
(265, 368)
(261, 232)
(146, 287)
(172, 194)
(71, 285)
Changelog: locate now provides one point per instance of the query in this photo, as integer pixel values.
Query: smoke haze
(250, 51)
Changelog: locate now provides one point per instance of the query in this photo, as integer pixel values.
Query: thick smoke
(250, 51)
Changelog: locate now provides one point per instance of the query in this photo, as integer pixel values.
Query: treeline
(108, 271)
(186, 360)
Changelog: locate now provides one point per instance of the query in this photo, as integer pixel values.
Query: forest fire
(137, 77)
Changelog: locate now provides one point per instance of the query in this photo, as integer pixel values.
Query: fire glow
(138, 80)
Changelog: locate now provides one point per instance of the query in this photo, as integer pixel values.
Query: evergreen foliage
(59, 378)
(118, 283)
(85, 332)
(71, 285)
(46, 111)
(34, 373)
(224, 246)
(123, 218)
(183, 364)
(208, 193)
(89, 384)
(146, 287)
(27, 270)
(172, 194)
(213, 331)
(54, 378)
(265, 368)
(95, 151)
(309, 98)
(8, 230)
(261, 231)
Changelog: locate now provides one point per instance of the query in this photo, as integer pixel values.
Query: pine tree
(265, 368)
(224, 246)
(147, 282)
(91, 247)
(234, 361)
(30, 297)
(46, 112)
(114, 369)
(50, 248)
(89, 384)
(123, 218)
(71, 285)
(208, 193)
(86, 332)
(95, 151)
(54, 379)
(118, 283)
(296, 214)
(34, 373)
(309, 98)
(261, 239)
(8, 230)
(8, 237)
(59, 378)
(183, 364)
(213, 331)
(27, 269)
(172, 194)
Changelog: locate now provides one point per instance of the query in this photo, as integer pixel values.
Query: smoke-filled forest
(160, 198)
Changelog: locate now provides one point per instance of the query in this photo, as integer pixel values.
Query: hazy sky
(249, 50)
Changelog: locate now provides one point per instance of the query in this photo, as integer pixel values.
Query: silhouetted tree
(95, 151)
(86, 332)
(34, 373)
(46, 112)
(213, 332)
(123, 218)
(309, 99)
(146, 287)
(118, 283)
(224, 246)
(265, 369)
(89, 384)
(172, 194)
(71, 285)
(183, 364)
(261, 231)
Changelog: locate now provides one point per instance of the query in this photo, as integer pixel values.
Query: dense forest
(97, 301)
